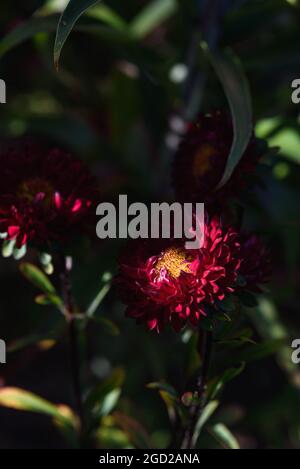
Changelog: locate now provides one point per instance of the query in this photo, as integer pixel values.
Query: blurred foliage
(122, 76)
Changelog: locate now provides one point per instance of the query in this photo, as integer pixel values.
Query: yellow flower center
(202, 159)
(174, 260)
(31, 187)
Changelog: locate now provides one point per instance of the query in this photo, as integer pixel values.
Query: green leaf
(49, 299)
(108, 16)
(136, 433)
(91, 310)
(268, 321)
(37, 278)
(258, 351)
(102, 399)
(205, 415)
(19, 399)
(31, 340)
(169, 396)
(108, 403)
(152, 16)
(220, 382)
(224, 436)
(69, 17)
(163, 387)
(27, 30)
(48, 24)
(235, 85)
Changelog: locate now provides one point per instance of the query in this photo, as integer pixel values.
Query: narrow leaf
(227, 376)
(37, 278)
(69, 17)
(108, 16)
(152, 16)
(19, 399)
(224, 436)
(25, 31)
(91, 310)
(137, 434)
(235, 85)
(104, 397)
(206, 413)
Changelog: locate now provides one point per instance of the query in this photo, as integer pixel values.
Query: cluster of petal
(201, 159)
(163, 283)
(45, 195)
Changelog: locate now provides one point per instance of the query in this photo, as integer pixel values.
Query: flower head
(163, 283)
(45, 195)
(201, 159)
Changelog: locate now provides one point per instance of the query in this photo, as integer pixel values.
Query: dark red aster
(161, 282)
(45, 195)
(201, 159)
(256, 262)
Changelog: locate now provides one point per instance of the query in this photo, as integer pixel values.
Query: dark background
(110, 106)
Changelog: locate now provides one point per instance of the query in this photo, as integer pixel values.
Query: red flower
(201, 158)
(44, 195)
(256, 264)
(161, 282)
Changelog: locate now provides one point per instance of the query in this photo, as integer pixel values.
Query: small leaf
(37, 278)
(205, 415)
(91, 310)
(152, 16)
(31, 340)
(19, 399)
(53, 330)
(108, 16)
(134, 430)
(258, 351)
(218, 384)
(234, 82)
(49, 299)
(108, 403)
(103, 398)
(224, 436)
(169, 396)
(27, 30)
(8, 248)
(163, 387)
(69, 17)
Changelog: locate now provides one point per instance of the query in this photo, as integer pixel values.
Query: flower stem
(74, 341)
(204, 348)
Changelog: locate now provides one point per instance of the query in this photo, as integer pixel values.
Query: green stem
(204, 347)
(74, 341)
